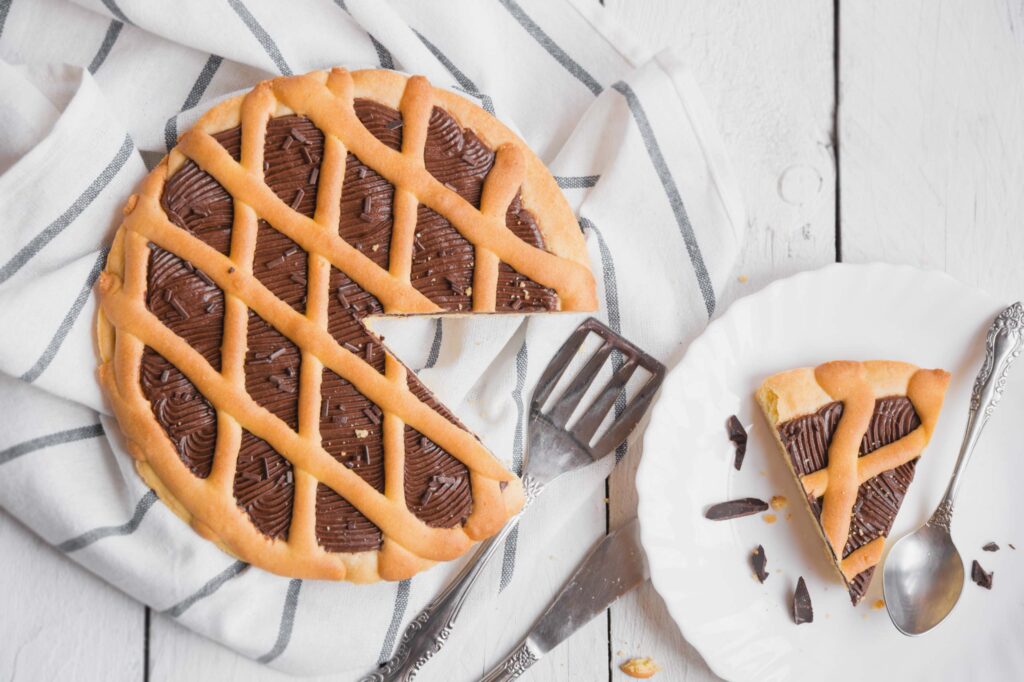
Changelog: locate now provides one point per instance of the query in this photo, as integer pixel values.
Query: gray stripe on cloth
(194, 95)
(383, 55)
(50, 352)
(672, 192)
(560, 55)
(116, 11)
(260, 33)
(5, 9)
(284, 631)
(206, 590)
(67, 217)
(508, 564)
(401, 604)
(461, 78)
(109, 39)
(576, 181)
(435, 345)
(611, 296)
(126, 528)
(385, 58)
(67, 436)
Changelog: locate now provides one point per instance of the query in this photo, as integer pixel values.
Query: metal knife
(614, 567)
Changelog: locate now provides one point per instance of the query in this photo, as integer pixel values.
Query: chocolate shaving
(759, 561)
(206, 278)
(738, 436)
(179, 308)
(990, 547)
(734, 509)
(299, 194)
(980, 577)
(803, 612)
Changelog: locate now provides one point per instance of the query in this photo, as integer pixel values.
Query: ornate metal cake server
(554, 449)
(614, 567)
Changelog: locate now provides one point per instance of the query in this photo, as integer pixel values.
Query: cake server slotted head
(555, 448)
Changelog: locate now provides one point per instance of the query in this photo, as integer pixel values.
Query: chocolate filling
(436, 484)
(879, 498)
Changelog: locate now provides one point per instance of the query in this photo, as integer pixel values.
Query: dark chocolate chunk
(803, 612)
(980, 577)
(738, 436)
(759, 561)
(733, 509)
(990, 547)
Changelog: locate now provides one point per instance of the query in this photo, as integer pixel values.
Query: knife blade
(614, 567)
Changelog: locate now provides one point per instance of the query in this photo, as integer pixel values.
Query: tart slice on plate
(851, 433)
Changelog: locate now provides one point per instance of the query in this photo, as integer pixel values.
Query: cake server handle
(1003, 344)
(428, 632)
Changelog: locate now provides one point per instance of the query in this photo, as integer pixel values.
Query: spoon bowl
(922, 579)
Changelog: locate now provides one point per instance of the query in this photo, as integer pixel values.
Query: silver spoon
(924, 574)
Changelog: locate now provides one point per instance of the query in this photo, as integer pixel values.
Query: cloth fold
(96, 86)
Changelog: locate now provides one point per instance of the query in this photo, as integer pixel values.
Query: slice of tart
(851, 433)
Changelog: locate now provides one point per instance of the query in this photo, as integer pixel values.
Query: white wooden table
(865, 130)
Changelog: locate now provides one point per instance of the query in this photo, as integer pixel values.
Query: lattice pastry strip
(851, 432)
(127, 326)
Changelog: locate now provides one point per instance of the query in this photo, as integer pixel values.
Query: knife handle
(515, 664)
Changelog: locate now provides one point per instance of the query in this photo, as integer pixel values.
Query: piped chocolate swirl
(807, 440)
(436, 485)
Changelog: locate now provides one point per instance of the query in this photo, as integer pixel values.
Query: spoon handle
(1003, 344)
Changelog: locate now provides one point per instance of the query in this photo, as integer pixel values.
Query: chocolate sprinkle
(299, 194)
(759, 561)
(734, 509)
(738, 436)
(990, 547)
(803, 612)
(980, 577)
(313, 174)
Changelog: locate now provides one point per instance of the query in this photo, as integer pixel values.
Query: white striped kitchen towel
(93, 90)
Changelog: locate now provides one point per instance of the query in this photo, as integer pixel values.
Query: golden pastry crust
(125, 326)
(799, 392)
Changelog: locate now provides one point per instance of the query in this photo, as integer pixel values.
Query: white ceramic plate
(701, 568)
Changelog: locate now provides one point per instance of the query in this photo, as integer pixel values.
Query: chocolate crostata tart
(851, 433)
(232, 345)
